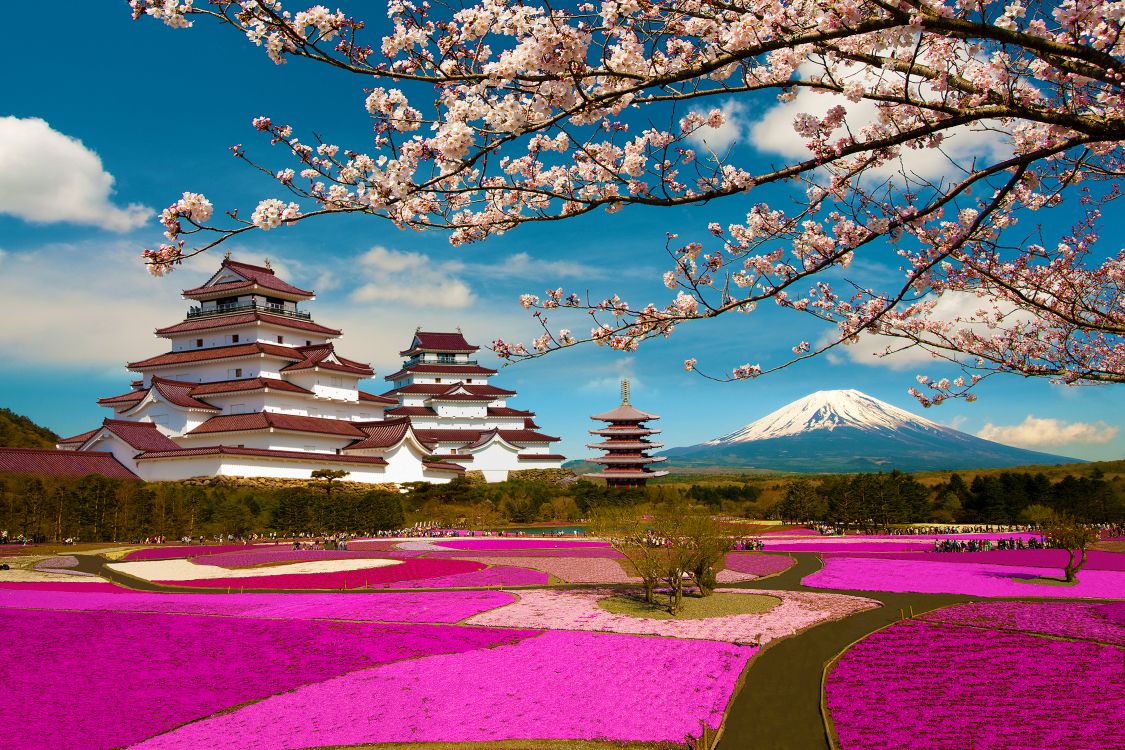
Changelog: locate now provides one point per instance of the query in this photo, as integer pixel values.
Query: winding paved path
(778, 706)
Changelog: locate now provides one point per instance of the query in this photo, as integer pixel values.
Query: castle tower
(626, 445)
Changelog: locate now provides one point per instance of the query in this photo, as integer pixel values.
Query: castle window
(281, 339)
(198, 343)
(234, 338)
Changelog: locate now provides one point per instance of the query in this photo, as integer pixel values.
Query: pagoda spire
(625, 391)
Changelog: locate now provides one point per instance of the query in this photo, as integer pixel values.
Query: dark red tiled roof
(263, 420)
(441, 466)
(253, 349)
(228, 450)
(58, 463)
(79, 439)
(624, 413)
(365, 396)
(432, 389)
(467, 437)
(144, 436)
(245, 318)
(466, 457)
(383, 434)
(318, 355)
(181, 394)
(461, 397)
(247, 384)
(411, 411)
(440, 369)
(259, 275)
(439, 342)
(541, 457)
(505, 411)
(125, 399)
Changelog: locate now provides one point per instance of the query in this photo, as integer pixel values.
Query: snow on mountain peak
(827, 410)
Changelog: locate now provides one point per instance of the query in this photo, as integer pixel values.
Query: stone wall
(274, 483)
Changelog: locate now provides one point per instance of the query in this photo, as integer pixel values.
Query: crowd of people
(987, 545)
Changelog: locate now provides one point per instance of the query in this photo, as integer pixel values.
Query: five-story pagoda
(626, 444)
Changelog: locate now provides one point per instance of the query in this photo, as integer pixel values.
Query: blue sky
(159, 108)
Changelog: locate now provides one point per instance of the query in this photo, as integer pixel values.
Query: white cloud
(774, 132)
(408, 278)
(1034, 432)
(87, 306)
(720, 139)
(48, 177)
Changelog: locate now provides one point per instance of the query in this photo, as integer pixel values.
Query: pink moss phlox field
(569, 569)
(1031, 558)
(556, 609)
(58, 561)
(498, 575)
(606, 552)
(973, 579)
(785, 545)
(796, 531)
(1065, 619)
(140, 674)
(759, 564)
(250, 558)
(413, 568)
(552, 686)
(190, 550)
(503, 543)
(104, 588)
(922, 685)
(409, 607)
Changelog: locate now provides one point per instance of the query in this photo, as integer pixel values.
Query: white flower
(271, 212)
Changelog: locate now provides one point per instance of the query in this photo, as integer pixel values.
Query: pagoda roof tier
(625, 445)
(625, 413)
(431, 341)
(324, 356)
(372, 398)
(222, 387)
(62, 463)
(420, 368)
(234, 277)
(242, 319)
(611, 432)
(266, 420)
(434, 389)
(612, 459)
(619, 474)
(230, 450)
(143, 436)
(467, 437)
(235, 351)
(411, 411)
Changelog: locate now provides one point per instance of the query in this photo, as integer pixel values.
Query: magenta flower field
(1085, 620)
(759, 564)
(410, 569)
(276, 555)
(1028, 558)
(974, 579)
(190, 550)
(552, 686)
(108, 679)
(927, 686)
(497, 575)
(506, 543)
(405, 606)
(569, 569)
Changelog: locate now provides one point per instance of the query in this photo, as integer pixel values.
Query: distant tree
(383, 510)
(630, 533)
(329, 477)
(1075, 538)
(707, 544)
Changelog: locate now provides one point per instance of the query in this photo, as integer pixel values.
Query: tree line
(1004, 498)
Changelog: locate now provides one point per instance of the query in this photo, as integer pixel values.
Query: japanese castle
(254, 387)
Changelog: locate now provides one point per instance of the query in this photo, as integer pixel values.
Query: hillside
(17, 431)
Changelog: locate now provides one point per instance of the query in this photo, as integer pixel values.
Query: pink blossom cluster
(1078, 620)
(496, 575)
(974, 579)
(190, 551)
(282, 554)
(405, 606)
(911, 685)
(479, 554)
(557, 609)
(1025, 558)
(549, 687)
(505, 543)
(759, 564)
(166, 670)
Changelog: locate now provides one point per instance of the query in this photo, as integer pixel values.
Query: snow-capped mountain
(847, 430)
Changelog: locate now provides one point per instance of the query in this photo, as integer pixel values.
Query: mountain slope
(846, 431)
(17, 431)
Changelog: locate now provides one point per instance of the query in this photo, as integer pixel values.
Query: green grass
(695, 608)
(1045, 581)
